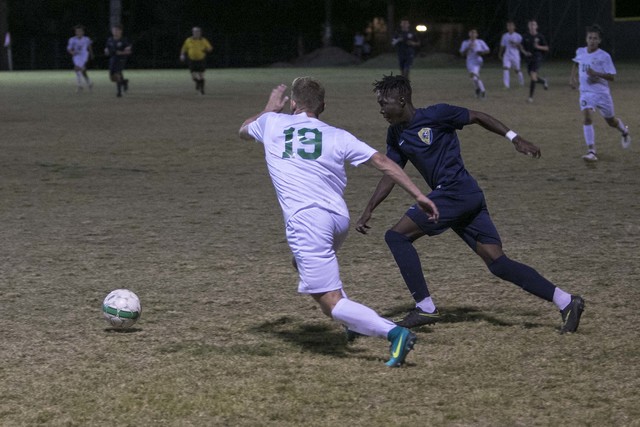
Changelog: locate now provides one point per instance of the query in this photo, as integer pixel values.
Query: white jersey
(599, 61)
(306, 159)
(473, 55)
(80, 48)
(511, 43)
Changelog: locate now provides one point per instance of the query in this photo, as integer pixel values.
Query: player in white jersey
(79, 47)
(510, 47)
(596, 70)
(473, 49)
(306, 161)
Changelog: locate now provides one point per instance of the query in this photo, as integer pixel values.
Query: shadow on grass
(320, 338)
(122, 331)
(461, 314)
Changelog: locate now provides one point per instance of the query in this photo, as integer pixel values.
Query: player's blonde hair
(308, 93)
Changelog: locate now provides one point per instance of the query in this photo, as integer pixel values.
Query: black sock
(408, 261)
(541, 81)
(532, 88)
(524, 276)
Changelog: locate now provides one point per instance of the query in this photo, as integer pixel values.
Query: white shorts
(473, 69)
(511, 62)
(597, 101)
(314, 236)
(80, 60)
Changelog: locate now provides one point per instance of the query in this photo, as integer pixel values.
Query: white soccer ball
(121, 308)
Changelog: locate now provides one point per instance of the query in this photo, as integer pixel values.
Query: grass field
(156, 193)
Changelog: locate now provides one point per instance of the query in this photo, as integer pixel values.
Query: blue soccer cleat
(402, 341)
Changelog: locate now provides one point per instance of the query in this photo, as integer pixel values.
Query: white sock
(475, 82)
(589, 137)
(520, 78)
(361, 319)
(505, 78)
(480, 85)
(427, 305)
(621, 127)
(79, 78)
(561, 299)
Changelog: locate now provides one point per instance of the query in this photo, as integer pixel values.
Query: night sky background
(257, 33)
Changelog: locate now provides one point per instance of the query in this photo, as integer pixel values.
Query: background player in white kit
(596, 70)
(79, 47)
(306, 161)
(510, 47)
(473, 49)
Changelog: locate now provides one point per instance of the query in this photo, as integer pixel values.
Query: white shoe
(590, 157)
(626, 139)
(530, 100)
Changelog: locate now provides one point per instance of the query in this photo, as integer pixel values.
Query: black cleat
(352, 335)
(417, 317)
(571, 315)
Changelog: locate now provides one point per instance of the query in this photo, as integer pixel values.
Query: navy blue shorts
(405, 61)
(197, 66)
(116, 64)
(466, 214)
(533, 64)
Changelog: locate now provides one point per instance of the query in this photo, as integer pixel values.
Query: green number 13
(310, 138)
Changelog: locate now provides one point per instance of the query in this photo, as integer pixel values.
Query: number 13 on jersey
(311, 139)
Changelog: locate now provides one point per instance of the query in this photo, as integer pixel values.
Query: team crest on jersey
(426, 135)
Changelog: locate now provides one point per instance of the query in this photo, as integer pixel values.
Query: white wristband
(510, 135)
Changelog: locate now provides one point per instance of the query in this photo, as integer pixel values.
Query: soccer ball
(121, 308)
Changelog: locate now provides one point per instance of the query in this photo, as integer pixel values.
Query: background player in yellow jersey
(195, 48)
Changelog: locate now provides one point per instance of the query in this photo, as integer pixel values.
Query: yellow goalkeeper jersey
(196, 49)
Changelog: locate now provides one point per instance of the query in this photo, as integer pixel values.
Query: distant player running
(196, 48)
(118, 49)
(510, 48)
(79, 47)
(306, 160)
(427, 138)
(473, 49)
(596, 70)
(534, 47)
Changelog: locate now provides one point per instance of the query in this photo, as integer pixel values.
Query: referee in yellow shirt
(196, 48)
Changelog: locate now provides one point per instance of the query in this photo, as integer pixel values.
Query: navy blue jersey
(114, 45)
(431, 144)
(528, 42)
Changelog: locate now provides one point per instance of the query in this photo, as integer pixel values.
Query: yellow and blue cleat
(402, 341)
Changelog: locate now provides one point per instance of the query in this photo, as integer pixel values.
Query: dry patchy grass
(155, 192)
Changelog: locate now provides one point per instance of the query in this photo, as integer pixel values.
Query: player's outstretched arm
(393, 174)
(275, 104)
(494, 125)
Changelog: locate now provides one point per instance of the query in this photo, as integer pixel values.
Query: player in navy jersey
(535, 46)
(405, 41)
(427, 138)
(118, 49)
